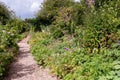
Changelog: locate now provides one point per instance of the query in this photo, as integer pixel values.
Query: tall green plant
(101, 27)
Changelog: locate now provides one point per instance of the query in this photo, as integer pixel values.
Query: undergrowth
(71, 62)
(9, 36)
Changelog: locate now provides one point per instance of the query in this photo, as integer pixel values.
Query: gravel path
(25, 67)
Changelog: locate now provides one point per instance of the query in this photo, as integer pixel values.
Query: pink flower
(66, 49)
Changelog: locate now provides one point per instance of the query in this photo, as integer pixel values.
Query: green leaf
(117, 67)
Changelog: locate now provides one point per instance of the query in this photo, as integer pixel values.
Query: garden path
(25, 67)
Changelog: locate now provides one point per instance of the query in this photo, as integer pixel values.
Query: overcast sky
(24, 8)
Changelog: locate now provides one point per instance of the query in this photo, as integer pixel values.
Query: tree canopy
(5, 13)
(50, 9)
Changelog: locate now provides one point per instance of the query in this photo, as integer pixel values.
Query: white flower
(8, 32)
(12, 34)
(3, 31)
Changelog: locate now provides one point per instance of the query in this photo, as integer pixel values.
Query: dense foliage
(10, 34)
(81, 41)
(5, 13)
(11, 31)
(70, 62)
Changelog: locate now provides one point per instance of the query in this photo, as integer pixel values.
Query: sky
(24, 8)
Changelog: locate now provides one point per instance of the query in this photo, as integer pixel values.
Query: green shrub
(63, 24)
(100, 27)
(70, 62)
(5, 60)
(9, 36)
(71, 52)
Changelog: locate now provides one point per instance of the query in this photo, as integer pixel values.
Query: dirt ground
(25, 67)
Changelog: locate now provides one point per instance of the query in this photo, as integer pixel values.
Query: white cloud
(77, 0)
(34, 7)
(23, 8)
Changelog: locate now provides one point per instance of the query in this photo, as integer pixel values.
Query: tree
(5, 13)
(34, 22)
(50, 9)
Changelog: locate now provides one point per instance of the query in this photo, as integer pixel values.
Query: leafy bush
(71, 49)
(11, 29)
(70, 62)
(5, 14)
(100, 26)
(10, 34)
(5, 60)
(63, 23)
(8, 48)
(7, 39)
(40, 43)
